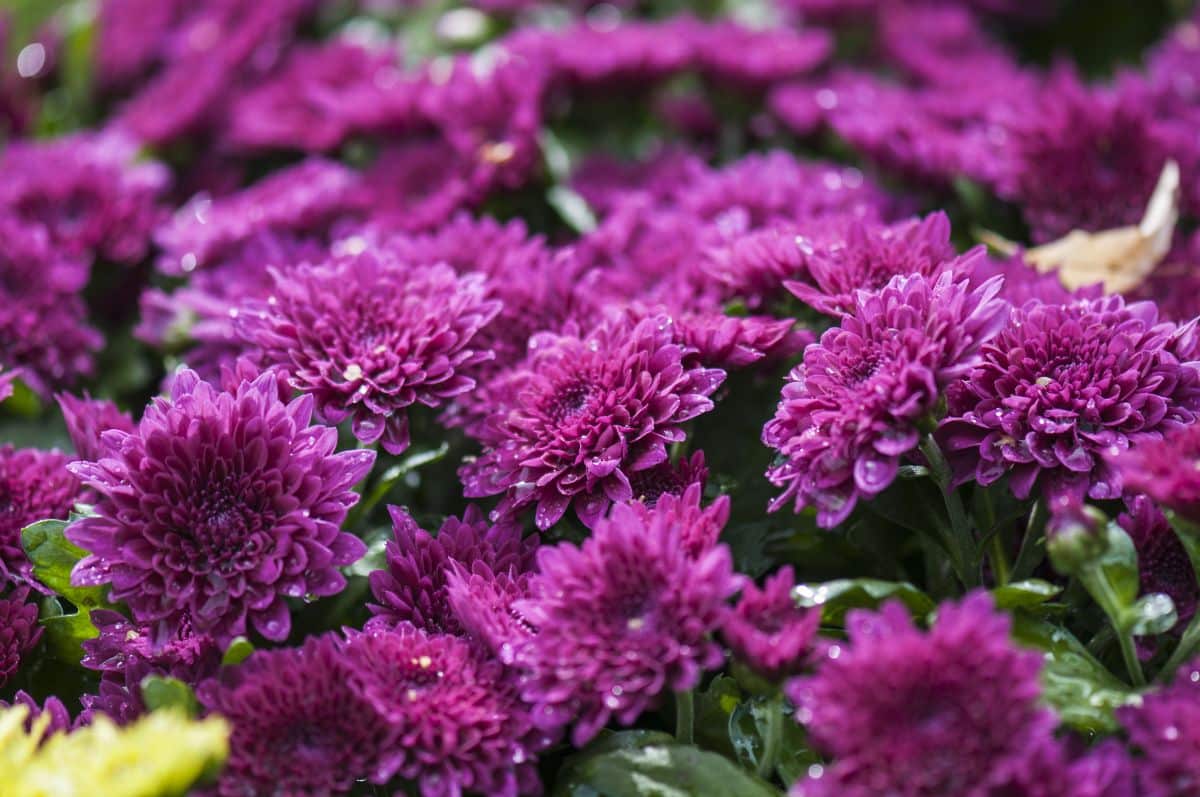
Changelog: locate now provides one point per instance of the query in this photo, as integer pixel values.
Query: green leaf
(573, 208)
(238, 651)
(1074, 683)
(1025, 594)
(64, 633)
(659, 770)
(53, 556)
(165, 692)
(1119, 564)
(837, 597)
(714, 706)
(748, 729)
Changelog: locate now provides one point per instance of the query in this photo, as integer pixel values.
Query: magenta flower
(6, 380)
(852, 409)
(1165, 729)
(367, 336)
(620, 620)
(668, 479)
(412, 588)
(768, 631)
(217, 508)
(483, 601)
(87, 191)
(700, 526)
(34, 485)
(19, 629)
(87, 419)
(1163, 564)
(871, 254)
(456, 723)
(591, 411)
(1065, 386)
(1165, 470)
(301, 723)
(901, 711)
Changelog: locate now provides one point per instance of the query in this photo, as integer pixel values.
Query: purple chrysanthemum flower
(871, 254)
(620, 620)
(1165, 728)
(34, 485)
(700, 526)
(1166, 469)
(456, 721)
(125, 652)
(42, 315)
(301, 723)
(901, 711)
(852, 409)
(60, 720)
(88, 418)
(483, 601)
(1163, 564)
(1065, 386)
(301, 199)
(412, 588)
(368, 336)
(591, 411)
(768, 631)
(668, 479)
(217, 508)
(87, 191)
(19, 629)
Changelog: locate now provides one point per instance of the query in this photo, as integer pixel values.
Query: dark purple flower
(1165, 729)
(1165, 469)
(620, 620)
(1050, 768)
(59, 715)
(304, 198)
(852, 409)
(34, 485)
(1065, 386)
(591, 411)
(42, 315)
(456, 721)
(871, 254)
(1163, 564)
(301, 723)
(768, 631)
(483, 600)
(19, 629)
(88, 191)
(217, 508)
(320, 96)
(754, 58)
(88, 418)
(133, 36)
(700, 526)
(368, 336)
(668, 479)
(412, 588)
(901, 711)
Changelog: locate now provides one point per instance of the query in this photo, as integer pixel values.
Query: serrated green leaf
(660, 770)
(838, 597)
(165, 692)
(1025, 594)
(53, 557)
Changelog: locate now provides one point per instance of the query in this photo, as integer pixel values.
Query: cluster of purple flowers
(476, 384)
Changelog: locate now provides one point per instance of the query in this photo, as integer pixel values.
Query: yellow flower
(161, 755)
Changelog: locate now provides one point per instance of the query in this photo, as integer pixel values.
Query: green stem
(774, 741)
(1136, 676)
(963, 554)
(999, 560)
(1030, 555)
(1099, 588)
(685, 716)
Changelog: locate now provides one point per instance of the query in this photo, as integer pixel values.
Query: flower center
(569, 401)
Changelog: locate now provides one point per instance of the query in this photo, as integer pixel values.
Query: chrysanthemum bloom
(1163, 564)
(592, 410)
(755, 58)
(768, 631)
(901, 711)
(42, 315)
(620, 620)
(126, 652)
(301, 199)
(368, 336)
(88, 418)
(58, 717)
(483, 600)
(871, 254)
(700, 526)
(1080, 158)
(1167, 469)
(217, 508)
(19, 629)
(34, 485)
(1052, 768)
(1165, 728)
(851, 410)
(412, 588)
(456, 723)
(668, 479)
(1062, 388)
(301, 723)
(89, 192)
